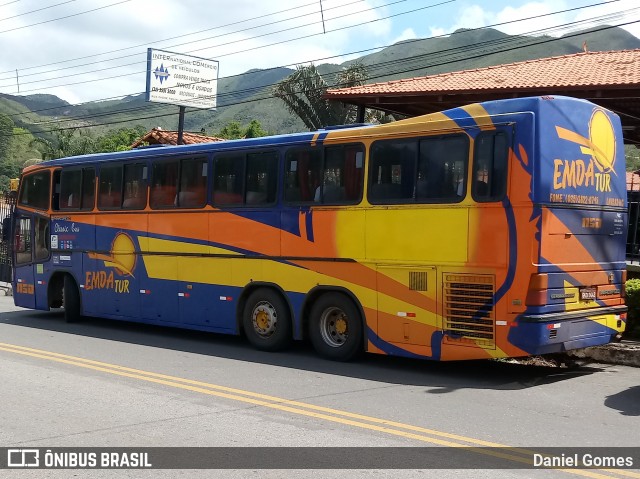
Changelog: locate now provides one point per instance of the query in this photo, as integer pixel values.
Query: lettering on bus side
(25, 288)
(102, 280)
(576, 173)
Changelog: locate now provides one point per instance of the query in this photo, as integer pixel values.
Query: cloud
(242, 34)
(406, 34)
(510, 19)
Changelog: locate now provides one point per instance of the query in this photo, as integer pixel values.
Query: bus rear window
(35, 191)
(490, 167)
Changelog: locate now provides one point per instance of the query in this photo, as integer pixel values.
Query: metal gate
(7, 203)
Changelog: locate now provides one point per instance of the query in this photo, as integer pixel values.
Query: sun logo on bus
(601, 144)
(122, 256)
(602, 141)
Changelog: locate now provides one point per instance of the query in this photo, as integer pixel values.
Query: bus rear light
(537, 298)
(539, 281)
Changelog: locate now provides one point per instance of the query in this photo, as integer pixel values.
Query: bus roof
(493, 107)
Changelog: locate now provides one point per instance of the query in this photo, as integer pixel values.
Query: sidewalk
(626, 353)
(6, 289)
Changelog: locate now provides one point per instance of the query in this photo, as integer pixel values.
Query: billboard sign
(181, 79)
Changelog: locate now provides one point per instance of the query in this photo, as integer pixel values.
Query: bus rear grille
(468, 309)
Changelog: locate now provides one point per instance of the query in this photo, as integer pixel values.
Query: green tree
(302, 93)
(632, 156)
(6, 134)
(65, 143)
(19, 149)
(231, 131)
(234, 130)
(255, 130)
(119, 139)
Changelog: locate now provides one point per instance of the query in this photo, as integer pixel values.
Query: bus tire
(71, 300)
(335, 327)
(267, 321)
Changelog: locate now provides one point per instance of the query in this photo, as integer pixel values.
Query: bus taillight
(537, 293)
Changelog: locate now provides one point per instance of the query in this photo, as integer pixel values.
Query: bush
(633, 302)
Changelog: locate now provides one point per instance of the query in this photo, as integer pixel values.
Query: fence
(7, 203)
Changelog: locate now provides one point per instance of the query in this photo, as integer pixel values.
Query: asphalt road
(114, 384)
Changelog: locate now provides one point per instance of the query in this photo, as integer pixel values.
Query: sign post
(181, 80)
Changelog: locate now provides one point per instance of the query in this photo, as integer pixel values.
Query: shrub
(633, 302)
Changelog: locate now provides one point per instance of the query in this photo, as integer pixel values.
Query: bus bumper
(559, 332)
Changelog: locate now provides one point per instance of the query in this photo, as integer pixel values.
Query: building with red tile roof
(610, 79)
(158, 136)
(633, 181)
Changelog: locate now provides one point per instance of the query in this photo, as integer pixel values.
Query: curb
(625, 353)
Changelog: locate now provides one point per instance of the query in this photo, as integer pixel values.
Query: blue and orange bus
(491, 230)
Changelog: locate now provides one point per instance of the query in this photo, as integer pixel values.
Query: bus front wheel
(267, 321)
(71, 300)
(335, 327)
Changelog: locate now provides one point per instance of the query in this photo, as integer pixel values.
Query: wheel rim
(264, 319)
(334, 327)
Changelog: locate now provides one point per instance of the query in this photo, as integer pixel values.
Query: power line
(448, 51)
(203, 48)
(154, 42)
(449, 61)
(34, 11)
(309, 36)
(65, 17)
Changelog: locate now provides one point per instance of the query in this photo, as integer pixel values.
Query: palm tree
(64, 144)
(302, 92)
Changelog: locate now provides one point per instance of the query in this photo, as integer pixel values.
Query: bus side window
(35, 191)
(135, 187)
(442, 169)
(165, 184)
(262, 178)
(88, 188)
(303, 173)
(392, 171)
(490, 167)
(343, 174)
(70, 189)
(228, 180)
(193, 183)
(110, 195)
(41, 239)
(23, 241)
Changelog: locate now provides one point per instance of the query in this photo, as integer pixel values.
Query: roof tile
(158, 136)
(574, 70)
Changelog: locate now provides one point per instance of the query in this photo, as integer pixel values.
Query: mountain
(247, 96)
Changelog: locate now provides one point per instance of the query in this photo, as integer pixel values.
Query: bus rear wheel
(71, 300)
(267, 321)
(335, 327)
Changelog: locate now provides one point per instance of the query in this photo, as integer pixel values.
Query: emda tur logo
(122, 259)
(595, 171)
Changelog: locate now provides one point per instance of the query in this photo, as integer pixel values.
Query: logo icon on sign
(161, 73)
(23, 458)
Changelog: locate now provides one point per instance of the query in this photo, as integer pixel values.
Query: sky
(94, 50)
